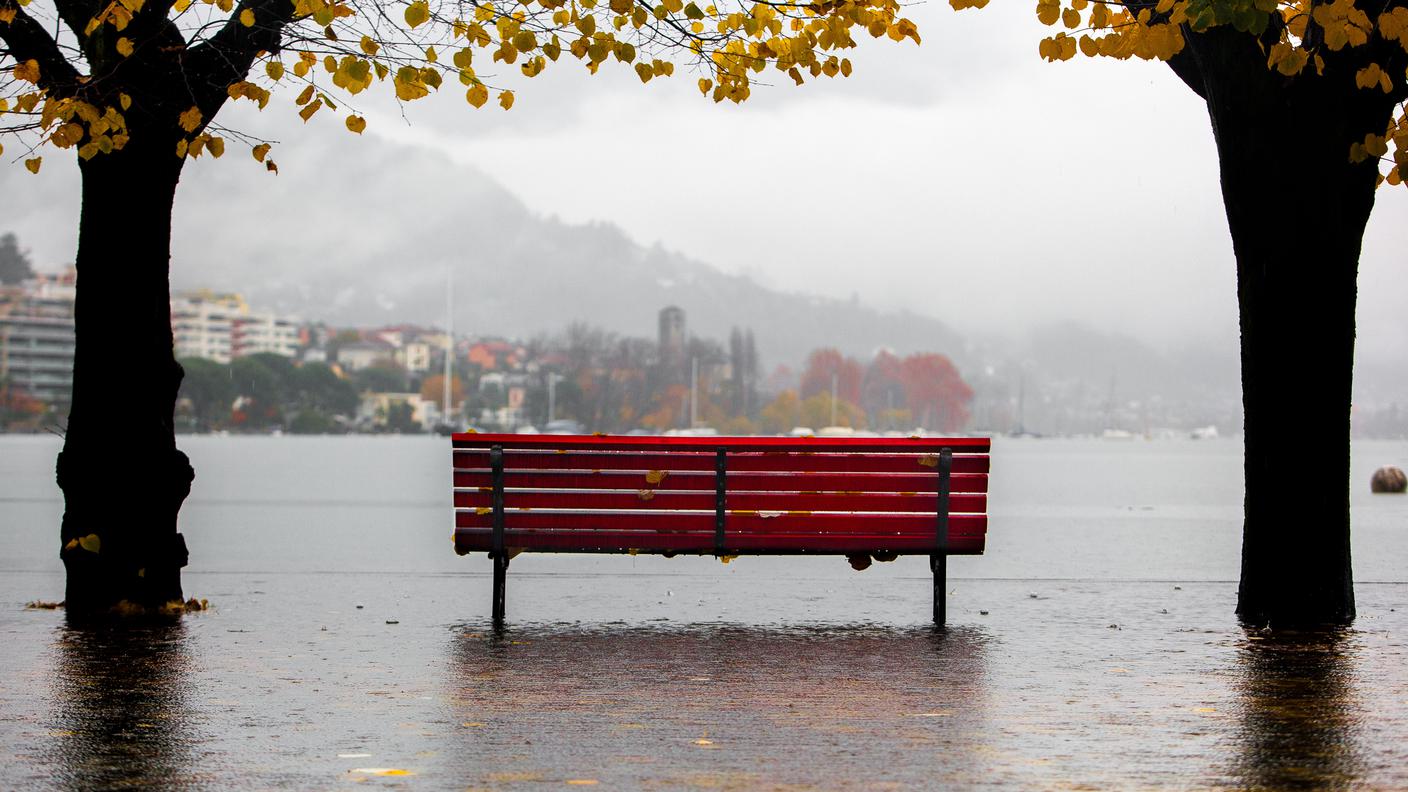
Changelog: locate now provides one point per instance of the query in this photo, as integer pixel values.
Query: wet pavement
(1092, 647)
(754, 676)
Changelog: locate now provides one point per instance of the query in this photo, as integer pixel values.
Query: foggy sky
(964, 179)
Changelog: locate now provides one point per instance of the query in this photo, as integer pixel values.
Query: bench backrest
(720, 495)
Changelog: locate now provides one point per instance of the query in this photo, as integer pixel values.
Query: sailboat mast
(449, 340)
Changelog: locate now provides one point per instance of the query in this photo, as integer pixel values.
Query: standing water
(1093, 645)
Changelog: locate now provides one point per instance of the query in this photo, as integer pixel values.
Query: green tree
(400, 418)
(388, 378)
(1305, 99)
(260, 392)
(211, 390)
(15, 265)
(316, 387)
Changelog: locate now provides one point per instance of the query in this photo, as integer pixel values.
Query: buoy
(1388, 479)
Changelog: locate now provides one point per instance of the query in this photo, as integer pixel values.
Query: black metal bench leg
(939, 564)
(500, 581)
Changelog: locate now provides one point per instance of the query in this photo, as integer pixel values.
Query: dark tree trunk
(123, 478)
(1297, 208)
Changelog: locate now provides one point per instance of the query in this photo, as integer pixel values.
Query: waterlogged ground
(1098, 686)
(1094, 646)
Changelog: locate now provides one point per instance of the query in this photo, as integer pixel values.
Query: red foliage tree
(883, 388)
(821, 365)
(935, 392)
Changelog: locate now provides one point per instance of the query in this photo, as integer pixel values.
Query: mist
(963, 196)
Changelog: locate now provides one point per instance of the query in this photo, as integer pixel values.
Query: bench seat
(721, 496)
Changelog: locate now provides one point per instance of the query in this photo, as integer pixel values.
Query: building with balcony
(221, 327)
(36, 337)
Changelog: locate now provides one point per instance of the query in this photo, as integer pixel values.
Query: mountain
(516, 273)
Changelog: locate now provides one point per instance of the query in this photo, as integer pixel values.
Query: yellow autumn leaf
(124, 47)
(190, 119)
(125, 101)
(1048, 11)
(656, 476)
(307, 112)
(247, 18)
(356, 124)
(260, 151)
(417, 13)
(506, 99)
(1368, 77)
(33, 164)
(92, 542)
(477, 95)
(216, 146)
(275, 70)
(28, 71)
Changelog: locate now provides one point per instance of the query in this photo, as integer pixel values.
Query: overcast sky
(966, 179)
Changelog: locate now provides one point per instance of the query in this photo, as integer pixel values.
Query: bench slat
(702, 501)
(770, 462)
(703, 543)
(631, 443)
(762, 482)
(738, 522)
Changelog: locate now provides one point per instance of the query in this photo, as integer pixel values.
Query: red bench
(721, 496)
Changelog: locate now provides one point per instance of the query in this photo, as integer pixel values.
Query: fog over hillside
(326, 240)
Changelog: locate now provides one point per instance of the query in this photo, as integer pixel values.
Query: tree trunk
(123, 478)
(1296, 208)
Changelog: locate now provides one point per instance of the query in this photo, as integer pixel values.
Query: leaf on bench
(929, 461)
(645, 494)
(656, 476)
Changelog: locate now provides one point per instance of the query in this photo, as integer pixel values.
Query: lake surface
(1093, 646)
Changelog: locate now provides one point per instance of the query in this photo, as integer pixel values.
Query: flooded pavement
(1093, 647)
(1092, 684)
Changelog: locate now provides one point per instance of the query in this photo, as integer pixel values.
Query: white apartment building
(203, 329)
(257, 333)
(36, 337)
(220, 327)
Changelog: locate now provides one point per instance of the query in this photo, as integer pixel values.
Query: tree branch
(226, 57)
(27, 40)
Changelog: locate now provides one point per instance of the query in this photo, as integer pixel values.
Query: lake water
(1093, 645)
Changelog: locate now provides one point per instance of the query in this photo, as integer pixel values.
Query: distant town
(249, 370)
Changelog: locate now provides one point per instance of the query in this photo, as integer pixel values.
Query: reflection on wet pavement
(1054, 684)
(1299, 710)
(722, 705)
(120, 707)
